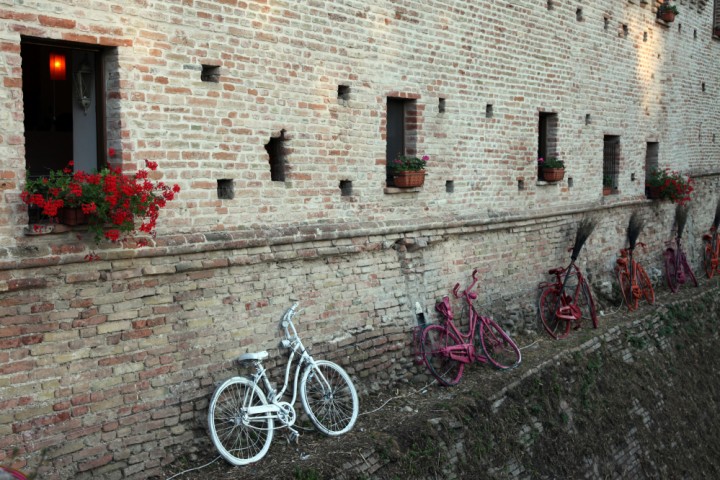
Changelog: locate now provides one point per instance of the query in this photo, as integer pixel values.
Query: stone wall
(108, 365)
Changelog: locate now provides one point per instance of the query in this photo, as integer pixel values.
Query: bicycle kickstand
(293, 436)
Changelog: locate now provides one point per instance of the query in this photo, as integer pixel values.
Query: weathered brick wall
(110, 370)
(109, 364)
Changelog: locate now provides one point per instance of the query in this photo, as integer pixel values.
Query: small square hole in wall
(210, 73)
(488, 111)
(713, 138)
(625, 30)
(449, 186)
(695, 34)
(644, 36)
(579, 15)
(441, 105)
(343, 92)
(588, 119)
(521, 184)
(679, 27)
(225, 189)
(703, 86)
(550, 4)
(345, 188)
(570, 182)
(606, 23)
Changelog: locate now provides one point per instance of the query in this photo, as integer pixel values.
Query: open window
(401, 130)
(547, 136)
(611, 162)
(63, 105)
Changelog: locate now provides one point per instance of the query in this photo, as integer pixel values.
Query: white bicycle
(242, 413)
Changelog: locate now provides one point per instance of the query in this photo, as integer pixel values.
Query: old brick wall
(108, 365)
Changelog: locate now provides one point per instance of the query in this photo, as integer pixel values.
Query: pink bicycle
(446, 350)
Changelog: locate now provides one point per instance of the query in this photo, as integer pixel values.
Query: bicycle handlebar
(470, 287)
(287, 324)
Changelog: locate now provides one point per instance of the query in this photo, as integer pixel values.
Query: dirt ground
(394, 418)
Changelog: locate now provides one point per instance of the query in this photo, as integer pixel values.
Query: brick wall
(109, 364)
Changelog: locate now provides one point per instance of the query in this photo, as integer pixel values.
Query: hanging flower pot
(667, 12)
(553, 174)
(409, 179)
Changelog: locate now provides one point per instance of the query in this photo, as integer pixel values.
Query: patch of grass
(303, 474)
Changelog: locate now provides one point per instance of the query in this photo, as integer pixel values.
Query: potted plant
(553, 169)
(669, 185)
(667, 12)
(114, 205)
(408, 171)
(607, 184)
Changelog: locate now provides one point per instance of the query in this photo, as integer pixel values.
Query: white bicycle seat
(252, 356)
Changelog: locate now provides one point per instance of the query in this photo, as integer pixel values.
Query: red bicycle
(446, 350)
(564, 302)
(711, 256)
(633, 279)
(677, 268)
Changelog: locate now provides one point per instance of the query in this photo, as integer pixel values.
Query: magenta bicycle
(446, 350)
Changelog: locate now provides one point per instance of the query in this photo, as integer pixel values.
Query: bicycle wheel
(626, 289)
(499, 348)
(435, 340)
(670, 270)
(707, 260)
(645, 284)
(329, 398)
(584, 300)
(239, 438)
(688, 271)
(549, 303)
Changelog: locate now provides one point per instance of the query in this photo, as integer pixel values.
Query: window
(63, 104)
(401, 130)
(276, 156)
(547, 136)
(716, 19)
(611, 161)
(651, 159)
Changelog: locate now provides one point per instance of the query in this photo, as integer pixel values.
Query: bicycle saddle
(555, 271)
(252, 356)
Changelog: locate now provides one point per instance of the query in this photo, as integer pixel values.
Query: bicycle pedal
(293, 437)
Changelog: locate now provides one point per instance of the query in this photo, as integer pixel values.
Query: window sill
(396, 190)
(543, 183)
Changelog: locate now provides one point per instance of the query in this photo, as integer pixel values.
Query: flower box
(409, 179)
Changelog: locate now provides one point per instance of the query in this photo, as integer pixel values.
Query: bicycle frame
(275, 408)
(712, 252)
(566, 306)
(627, 263)
(467, 351)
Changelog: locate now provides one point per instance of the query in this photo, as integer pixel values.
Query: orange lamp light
(57, 66)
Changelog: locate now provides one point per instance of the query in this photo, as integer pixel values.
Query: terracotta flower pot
(409, 179)
(667, 17)
(553, 174)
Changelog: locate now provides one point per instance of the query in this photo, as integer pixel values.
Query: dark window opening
(63, 106)
(441, 105)
(611, 162)
(651, 160)
(547, 136)
(716, 19)
(210, 73)
(343, 92)
(449, 186)
(488, 111)
(550, 4)
(345, 188)
(225, 189)
(276, 154)
(579, 15)
(401, 131)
